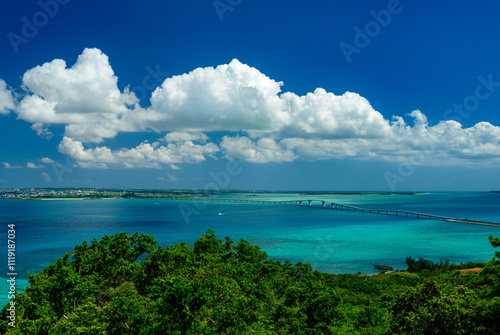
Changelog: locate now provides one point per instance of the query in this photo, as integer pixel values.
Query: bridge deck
(339, 206)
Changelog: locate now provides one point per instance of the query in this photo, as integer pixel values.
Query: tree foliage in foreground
(128, 285)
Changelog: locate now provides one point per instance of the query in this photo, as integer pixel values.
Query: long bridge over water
(344, 207)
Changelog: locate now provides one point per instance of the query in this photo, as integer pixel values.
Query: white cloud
(41, 130)
(31, 165)
(145, 155)
(8, 166)
(76, 150)
(169, 177)
(229, 97)
(181, 136)
(446, 143)
(263, 151)
(260, 123)
(85, 97)
(6, 99)
(47, 160)
(237, 97)
(325, 115)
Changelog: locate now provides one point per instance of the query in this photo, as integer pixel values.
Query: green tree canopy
(127, 284)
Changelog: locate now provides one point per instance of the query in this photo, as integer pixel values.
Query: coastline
(74, 199)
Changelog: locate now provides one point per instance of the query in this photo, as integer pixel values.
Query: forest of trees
(125, 284)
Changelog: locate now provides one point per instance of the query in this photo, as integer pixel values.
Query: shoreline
(73, 199)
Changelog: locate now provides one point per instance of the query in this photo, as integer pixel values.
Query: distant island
(94, 193)
(128, 193)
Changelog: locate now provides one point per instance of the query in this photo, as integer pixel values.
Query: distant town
(93, 193)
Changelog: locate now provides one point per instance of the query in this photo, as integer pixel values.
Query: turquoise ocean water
(330, 240)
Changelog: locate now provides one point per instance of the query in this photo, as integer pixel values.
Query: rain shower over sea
(330, 240)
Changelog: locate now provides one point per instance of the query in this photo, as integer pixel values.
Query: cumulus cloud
(229, 97)
(236, 97)
(8, 166)
(42, 131)
(147, 155)
(84, 97)
(264, 150)
(169, 177)
(6, 99)
(446, 143)
(31, 165)
(181, 136)
(325, 115)
(47, 160)
(260, 123)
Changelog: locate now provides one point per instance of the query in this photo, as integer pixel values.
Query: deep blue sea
(330, 240)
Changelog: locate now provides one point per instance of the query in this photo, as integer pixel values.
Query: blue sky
(319, 95)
